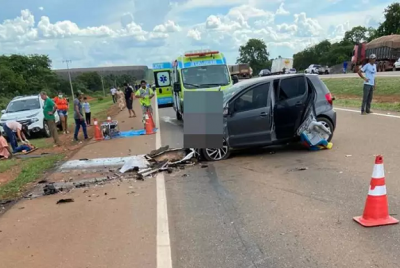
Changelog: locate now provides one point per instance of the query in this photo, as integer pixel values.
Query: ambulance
(203, 70)
(162, 77)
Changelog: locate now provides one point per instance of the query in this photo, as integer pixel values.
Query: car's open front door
(291, 102)
(249, 123)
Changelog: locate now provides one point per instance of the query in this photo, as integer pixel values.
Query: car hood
(20, 115)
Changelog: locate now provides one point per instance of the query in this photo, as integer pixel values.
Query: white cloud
(306, 26)
(195, 34)
(41, 8)
(168, 27)
(128, 38)
(281, 10)
(20, 29)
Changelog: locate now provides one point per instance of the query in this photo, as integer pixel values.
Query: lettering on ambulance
(203, 63)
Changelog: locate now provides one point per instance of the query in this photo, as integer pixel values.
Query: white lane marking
(164, 259)
(378, 114)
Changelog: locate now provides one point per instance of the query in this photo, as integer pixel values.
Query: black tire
(326, 72)
(46, 130)
(327, 124)
(211, 154)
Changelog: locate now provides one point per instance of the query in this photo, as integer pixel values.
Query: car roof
(25, 97)
(271, 78)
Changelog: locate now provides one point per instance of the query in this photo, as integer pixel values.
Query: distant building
(139, 72)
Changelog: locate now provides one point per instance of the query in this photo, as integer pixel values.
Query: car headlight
(34, 120)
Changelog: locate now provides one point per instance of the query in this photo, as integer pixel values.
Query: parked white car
(317, 69)
(291, 71)
(396, 65)
(28, 110)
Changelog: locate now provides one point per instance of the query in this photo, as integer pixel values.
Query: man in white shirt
(369, 70)
(113, 94)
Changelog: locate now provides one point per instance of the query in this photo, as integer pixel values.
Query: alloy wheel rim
(218, 153)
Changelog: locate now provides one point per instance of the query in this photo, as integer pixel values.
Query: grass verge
(31, 170)
(349, 91)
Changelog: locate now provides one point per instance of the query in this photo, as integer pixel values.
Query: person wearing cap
(145, 94)
(78, 116)
(369, 70)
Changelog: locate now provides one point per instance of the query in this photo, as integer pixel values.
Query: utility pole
(102, 84)
(69, 76)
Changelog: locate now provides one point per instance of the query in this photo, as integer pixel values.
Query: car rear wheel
(46, 130)
(217, 154)
(328, 124)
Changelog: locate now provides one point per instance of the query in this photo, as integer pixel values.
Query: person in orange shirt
(62, 110)
(5, 151)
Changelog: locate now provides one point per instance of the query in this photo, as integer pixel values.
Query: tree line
(31, 74)
(255, 52)
(327, 53)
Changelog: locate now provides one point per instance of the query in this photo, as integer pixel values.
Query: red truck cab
(358, 57)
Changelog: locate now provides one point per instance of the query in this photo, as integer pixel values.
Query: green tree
(372, 34)
(255, 53)
(356, 35)
(391, 25)
(90, 81)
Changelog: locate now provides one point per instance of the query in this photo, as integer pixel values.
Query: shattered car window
(231, 91)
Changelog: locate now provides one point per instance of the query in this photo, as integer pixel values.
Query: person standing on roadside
(369, 84)
(145, 94)
(129, 100)
(113, 94)
(62, 110)
(345, 67)
(49, 109)
(86, 106)
(78, 116)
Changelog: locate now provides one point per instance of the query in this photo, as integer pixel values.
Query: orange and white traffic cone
(376, 211)
(148, 125)
(97, 132)
(151, 119)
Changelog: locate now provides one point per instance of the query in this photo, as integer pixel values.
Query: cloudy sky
(139, 32)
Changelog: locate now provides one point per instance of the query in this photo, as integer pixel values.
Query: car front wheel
(328, 124)
(217, 154)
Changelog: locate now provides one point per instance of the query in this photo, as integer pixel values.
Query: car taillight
(329, 98)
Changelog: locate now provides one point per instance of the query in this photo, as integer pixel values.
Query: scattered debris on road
(66, 200)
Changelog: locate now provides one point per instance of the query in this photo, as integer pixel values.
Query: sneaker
(67, 132)
(370, 112)
(64, 132)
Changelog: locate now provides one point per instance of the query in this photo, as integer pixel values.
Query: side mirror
(177, 87)
(235, 79)
(3, 111)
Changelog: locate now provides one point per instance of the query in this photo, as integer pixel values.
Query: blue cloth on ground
(133, 133)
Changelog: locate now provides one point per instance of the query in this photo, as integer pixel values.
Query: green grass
(31, 170)
(354, 103)
(385, 86)
(7, 164)
(98, 108)
(349, 91)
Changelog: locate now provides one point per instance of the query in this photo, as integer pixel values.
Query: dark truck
(242, 71)
(386, 49)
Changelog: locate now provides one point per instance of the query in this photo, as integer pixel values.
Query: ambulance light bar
(200, 53)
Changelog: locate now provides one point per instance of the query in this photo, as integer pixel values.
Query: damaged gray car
(269, 111)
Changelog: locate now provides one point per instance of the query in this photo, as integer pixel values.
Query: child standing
(86, 106)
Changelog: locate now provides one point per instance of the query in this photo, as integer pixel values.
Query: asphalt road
(257, 209)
